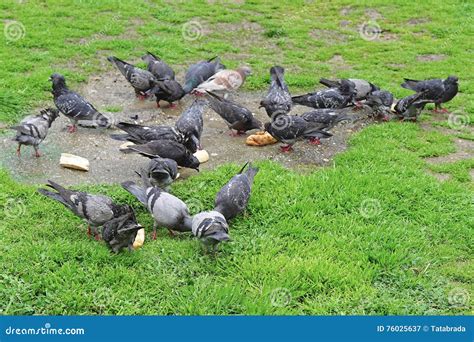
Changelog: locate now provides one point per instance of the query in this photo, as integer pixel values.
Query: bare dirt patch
(430, 58)
(464, 150)
(109, 165)
(338, 63)
(418, 21)
(442, 177)
(331, 37)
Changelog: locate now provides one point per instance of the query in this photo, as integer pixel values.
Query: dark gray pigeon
(362, 87)
(75, 107)
(290, 128)
(324, 119)
(381, 103)
(167, 90)
(200, 72)
(168, 211)
(233, 198)
(33, 130)
(140, 135)
(191, 123)
(436, 90)
(96, 210)
(334, 98)
(168, 149)
(410, 107)
(236, 116)
(161, 172)
(120, 232)
(278, 99)
(141, 80)
(158, 67)
(211, 228)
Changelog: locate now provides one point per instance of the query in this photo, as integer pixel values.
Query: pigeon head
(452, 80)
(58, 80)
(193, 163)
(50, 114)
(244, 71)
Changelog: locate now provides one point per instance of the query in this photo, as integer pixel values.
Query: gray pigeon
(381, 103)
(191, 123)
(211, 228)
(362, 87)
(120, 232)
(167, 90)
(278, 99)
(233, 198)
(96, 210)
(236, 116)
(167, 210)
(34, 129)
(410, 107)
(143, 134)
(200, 72)
(335, 98)
(290, 128)
(324, 119)
(437, 90)
(167, 149)
(141, 80)
(158, 67)
(161, 172)
(75, 107)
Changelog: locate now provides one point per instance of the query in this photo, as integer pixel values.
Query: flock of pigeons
(169, 147)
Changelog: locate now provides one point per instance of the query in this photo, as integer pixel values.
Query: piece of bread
(260, 139)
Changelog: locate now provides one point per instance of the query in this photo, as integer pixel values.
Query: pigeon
(224, 80)
(158, 67)
(381, 102)
(200, 72)
(290, 128)
(410, 107)
(335, 98)
(233, 198)
(211, 228)
(236, 116)
(362, 87)
(75, 107)
(161, 172)
(141, 80)
(96, 210)
(167, 149)
(324, 119)
(278, 99)
(143, 134)
(437, 90)
(33, 129)
(167, 90)
(120, 232)
(190, 123)
(167, 210)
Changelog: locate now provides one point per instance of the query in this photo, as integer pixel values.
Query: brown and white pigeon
(141, 80)
(158, 67)
(438, 91)
(168, 211)
(33, 130)
(200, 72)
(75, 107)
(120, 232)
(232, 198)
(224, 80)
(96, 210)
(236, 116)
(278, 99)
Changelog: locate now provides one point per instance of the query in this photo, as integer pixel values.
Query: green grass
(375, 234)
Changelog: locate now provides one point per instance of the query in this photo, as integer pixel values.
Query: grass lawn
(374, 234)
